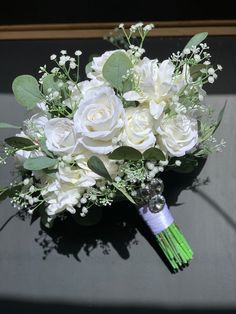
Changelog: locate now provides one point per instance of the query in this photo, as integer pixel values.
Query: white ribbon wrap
(157, 222)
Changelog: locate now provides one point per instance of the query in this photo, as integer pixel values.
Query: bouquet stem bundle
(159, 219)
(175, 247)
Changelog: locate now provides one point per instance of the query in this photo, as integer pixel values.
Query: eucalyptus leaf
(50, 82)
(4, 125)
(200, 129)
(124, 192)
(196, 40)
(115, 68)
(127, 86)
(4, 194)
(153, 153)
(195, 70)
(9, 191)
(20, 143)
(26, 91)
(88, 68)
(96, 165)
(44, 148)
(39, 163)
(125, 153)
(220, 116)
(127, 104)
(50, 173)
(14, 189)
(205, 132)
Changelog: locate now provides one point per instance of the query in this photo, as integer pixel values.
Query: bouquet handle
(160, 221)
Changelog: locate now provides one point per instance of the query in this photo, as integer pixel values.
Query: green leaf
(26, 91)
(125, 153)
(4, 125)
(124, 192)
(195, 70)
(50, 81)
(50, 173)
(127, 104)
(88, 68)
(115, 68)
(9, 191)
(20, 143)
(127, 86)
(97, 166)
(4, 194)
(153, 153)
(220, 116)
(39, 163)
(196, 40)
(44, 148)
(205, 131)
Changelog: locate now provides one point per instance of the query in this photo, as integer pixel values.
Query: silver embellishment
(151, 195)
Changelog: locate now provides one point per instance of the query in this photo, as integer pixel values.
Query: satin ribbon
(157, 222)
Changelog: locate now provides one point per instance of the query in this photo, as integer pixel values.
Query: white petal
(156, 110)
(132, 96)
(71, 209)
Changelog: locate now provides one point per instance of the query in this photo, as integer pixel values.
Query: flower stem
(175, 247)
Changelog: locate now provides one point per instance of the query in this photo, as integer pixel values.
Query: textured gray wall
(114, 268)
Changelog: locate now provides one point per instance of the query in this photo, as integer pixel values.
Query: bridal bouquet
(93, 142)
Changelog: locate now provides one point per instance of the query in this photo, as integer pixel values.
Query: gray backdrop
(116, 266)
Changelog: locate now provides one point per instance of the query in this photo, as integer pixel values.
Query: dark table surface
(115, 267)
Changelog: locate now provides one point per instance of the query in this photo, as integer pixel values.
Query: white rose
(86, 86)
(155, 84)
(35, 126)
(178, 134)
(78, 91)
(98, 63)
(61, 137)
(99, 120)
(61, 196)
(75, 176)
(138, 128)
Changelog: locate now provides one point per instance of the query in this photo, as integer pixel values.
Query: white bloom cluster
(152, 108)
